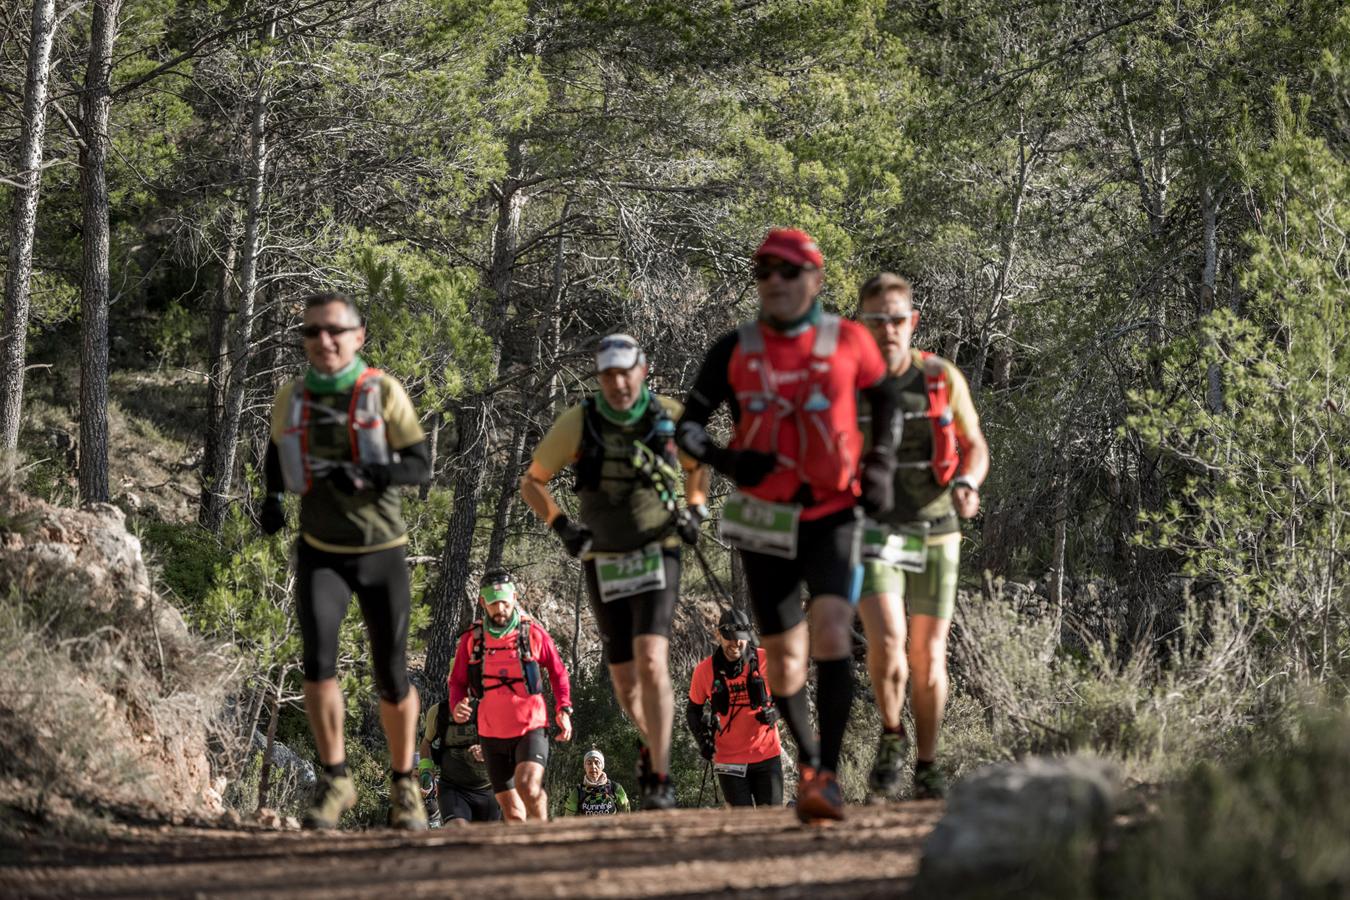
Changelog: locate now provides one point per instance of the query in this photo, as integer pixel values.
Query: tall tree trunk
(1209, 207)
(95, 106)
(433, 447)
(218, 368)
(451, 604)
(23, 223)
(215, 496)
(450, 596)
(501, 519)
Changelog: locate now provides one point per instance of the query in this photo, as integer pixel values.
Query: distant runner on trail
(620, 443)
(912, 552)
(499, 663)
(597, 795)
(790, 380)
(463, 789)
(742, 742)
(343, 437)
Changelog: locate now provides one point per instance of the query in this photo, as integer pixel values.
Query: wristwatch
(565, 709)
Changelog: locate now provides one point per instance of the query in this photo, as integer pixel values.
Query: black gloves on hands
(878, 482)
(272, 515)
(768, 715)
(745, 467)
(706, 747)
(575, 538)
(690, 523)
(350, 478)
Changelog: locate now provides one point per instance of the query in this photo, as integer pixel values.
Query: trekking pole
(708, 573)
(706, 766)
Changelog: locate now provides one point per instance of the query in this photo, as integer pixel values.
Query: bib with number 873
(761, 527)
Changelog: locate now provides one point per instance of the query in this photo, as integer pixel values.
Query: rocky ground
(685, 853)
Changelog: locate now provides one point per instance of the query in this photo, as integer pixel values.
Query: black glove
(706, 747)
(768, 715)
(690, 523)
(878, 482)
(575, 538)
(745, 467)
(350, 478)
(272, 515)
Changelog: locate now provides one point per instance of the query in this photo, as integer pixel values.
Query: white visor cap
(618, 351)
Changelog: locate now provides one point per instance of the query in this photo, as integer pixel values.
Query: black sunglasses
(309, 332)
(786, 270)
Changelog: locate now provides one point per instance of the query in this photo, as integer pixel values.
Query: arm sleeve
(693, 716)
(711, 389)
(458, 683)
(410, 465)
(400, 419)
(272, 480)
(551, 660)
(573, 801)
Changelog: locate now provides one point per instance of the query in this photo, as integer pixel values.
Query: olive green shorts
(931, 592)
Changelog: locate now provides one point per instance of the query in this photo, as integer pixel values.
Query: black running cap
(734, 625)
(495, 576)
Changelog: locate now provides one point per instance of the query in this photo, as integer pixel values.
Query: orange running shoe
(819, 796)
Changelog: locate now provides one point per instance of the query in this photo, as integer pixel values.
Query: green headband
(495, 593)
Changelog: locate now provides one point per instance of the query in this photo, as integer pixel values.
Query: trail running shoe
(658, 794)
(929, 784)
(889, 763)
(333, 797)
(407, 811)
(819, 797)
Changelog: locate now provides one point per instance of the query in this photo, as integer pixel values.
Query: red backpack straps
(946, 455)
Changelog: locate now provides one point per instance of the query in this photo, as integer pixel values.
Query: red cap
(792, 245)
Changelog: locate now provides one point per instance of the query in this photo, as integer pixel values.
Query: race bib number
(736, 770)
(761, 527)
(904, 546)
(625, 574)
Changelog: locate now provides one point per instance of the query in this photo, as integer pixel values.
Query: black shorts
(829, 557)
(324, 584)
(762, 784)
(469, 804)
(502, 755)
(622, 620)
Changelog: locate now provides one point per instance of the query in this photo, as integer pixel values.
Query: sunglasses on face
(786, 270)
(885, 318)
(309, 332)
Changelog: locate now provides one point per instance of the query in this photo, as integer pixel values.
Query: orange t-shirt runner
(741, 738)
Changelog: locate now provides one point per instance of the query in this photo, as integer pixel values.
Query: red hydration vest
(804, 410)
(946, 456)
(365, 429)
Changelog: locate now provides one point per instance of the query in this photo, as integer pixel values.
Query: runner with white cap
(620, 443)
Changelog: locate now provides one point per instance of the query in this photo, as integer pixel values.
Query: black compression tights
(324, 584)
(797, 713)
(834, 699)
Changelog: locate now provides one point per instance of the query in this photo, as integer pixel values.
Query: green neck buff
(798, 325)
(627, 416)
(339, 382)
(510, 623)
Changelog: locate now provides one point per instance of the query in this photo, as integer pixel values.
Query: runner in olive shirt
(628, 536)
(942, 458)
(343, 436)
(463, 789)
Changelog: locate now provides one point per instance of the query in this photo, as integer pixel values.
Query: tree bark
(23, 223)
(215, 493)
(433, 446)
(218, 369)
(1209, 207)
(95, 107)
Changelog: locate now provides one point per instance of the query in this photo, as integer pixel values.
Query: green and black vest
(918, 496)
(622, 509)
(450, 751)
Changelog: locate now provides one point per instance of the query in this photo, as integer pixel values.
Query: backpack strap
(443, 715)
(751, 338)
(827, 336)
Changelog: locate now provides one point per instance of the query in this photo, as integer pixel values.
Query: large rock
(1026, 829)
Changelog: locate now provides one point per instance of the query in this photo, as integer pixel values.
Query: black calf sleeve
(797, 713)
(834, 699)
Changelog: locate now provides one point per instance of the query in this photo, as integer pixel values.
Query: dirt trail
(685, 853)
